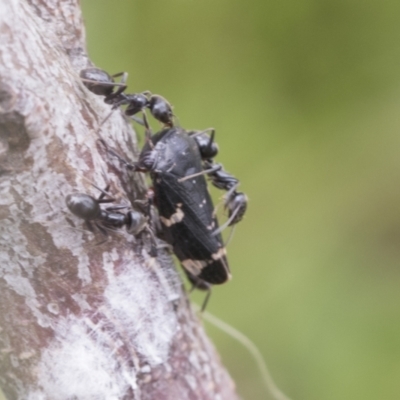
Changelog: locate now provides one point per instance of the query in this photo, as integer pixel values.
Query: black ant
(101, 83)
(88, 208)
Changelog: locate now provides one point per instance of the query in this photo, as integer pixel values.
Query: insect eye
(208, 148)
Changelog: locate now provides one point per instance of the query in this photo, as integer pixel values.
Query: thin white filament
(269, 383)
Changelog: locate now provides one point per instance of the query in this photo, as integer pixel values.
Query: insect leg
(200, 284)
(122, 83)
(209, 171)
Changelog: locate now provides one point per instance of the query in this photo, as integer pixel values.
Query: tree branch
(80, 320)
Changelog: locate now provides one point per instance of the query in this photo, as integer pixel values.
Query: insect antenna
(105, 119)
(226, 224)
(204, 172)
(228, 240)
(204, 131)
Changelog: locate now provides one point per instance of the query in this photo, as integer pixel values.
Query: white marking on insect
(219, 254)
(175, 218)
(194, 266)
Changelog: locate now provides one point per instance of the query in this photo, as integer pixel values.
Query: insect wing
(187, 212)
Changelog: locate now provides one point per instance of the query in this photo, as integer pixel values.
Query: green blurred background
(305, 98)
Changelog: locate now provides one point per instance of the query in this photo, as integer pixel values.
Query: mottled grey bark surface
(80, 320)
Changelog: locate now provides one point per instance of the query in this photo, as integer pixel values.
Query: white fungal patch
(147, 321)
(78, 364)
(174, 218)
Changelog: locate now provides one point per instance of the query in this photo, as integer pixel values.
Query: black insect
(102, 83)
(178, 162)
(88, 208)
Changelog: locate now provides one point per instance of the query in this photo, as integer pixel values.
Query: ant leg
(116, 208)
(148, 133)
(106, 118)
(89, 226)
(137, 120)
(132, 167)
(102, 194)
(122, 83)
(123, 74)
(121, 86)
(103, 201)
(103, 232)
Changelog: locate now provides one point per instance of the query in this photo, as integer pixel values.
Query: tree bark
(80, 320)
